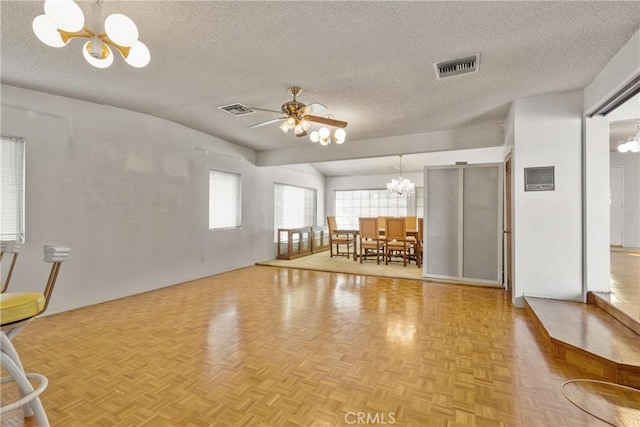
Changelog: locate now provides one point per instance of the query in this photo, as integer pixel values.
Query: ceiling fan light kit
(63, 21)
(297, 117)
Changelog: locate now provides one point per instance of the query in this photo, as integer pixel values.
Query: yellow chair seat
(16, 306)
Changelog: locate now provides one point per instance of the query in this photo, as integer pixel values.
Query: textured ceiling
(371, 63)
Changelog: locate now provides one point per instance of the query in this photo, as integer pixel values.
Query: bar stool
(9, 247)
(17, 309)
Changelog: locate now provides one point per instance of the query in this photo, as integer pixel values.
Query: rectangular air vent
(236, 109)
(456, 67)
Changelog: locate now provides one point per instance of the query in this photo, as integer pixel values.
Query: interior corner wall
(128, 193)
(547, 227)
(631, 216)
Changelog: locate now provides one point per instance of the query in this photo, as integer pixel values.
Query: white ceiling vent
(237, 109)
(456, 67)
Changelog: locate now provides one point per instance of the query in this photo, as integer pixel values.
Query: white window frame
(420, 202)
(304, 215)
(225, 214)
(12, 188)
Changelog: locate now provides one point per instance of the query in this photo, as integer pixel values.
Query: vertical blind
(225, 200)
(295, 207)
(12, 189)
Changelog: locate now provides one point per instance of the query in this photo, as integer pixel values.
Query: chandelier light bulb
(291, 122)
(121, 29)
(623, 147)
(46, 32)
(139, 55)
(298, 129)
(97, 55)
(64, 14)
(284, 127)
(324, 133)
(314, 137)
(634, 146)
(324, 141)
(340, 134)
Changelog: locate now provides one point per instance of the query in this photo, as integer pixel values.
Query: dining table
(356, 232)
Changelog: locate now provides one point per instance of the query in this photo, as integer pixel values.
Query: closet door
(463, 228)
(481, 229)
(442, 212)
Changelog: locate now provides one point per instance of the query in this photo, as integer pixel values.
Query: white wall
(547, 228)
(129, 194)
(631, 164)
(441, 158)
(596, 231)
(454, 139)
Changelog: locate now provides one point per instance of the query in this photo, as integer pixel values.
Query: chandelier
(63, 21)
(631, 144)
(400, 186)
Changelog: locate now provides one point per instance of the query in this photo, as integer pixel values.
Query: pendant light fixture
(401, 186)
(632, 144)
(64, 21)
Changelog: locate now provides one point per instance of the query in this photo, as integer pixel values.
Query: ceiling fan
(298, 115)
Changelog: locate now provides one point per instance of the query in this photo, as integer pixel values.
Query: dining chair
(412, 223)
(396, 241)
(370, 239)
(17, 310)
(9, 247)
(338, 239)
(419, 243)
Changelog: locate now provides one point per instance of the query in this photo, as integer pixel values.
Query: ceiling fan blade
(266, 109)
(268, 122)
(312, 108)
(304, 133)
(327, 121)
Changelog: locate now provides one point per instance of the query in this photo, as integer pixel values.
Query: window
(352, 204)
(12, 189)
(420, 202)
(225, 200)
(295, 207)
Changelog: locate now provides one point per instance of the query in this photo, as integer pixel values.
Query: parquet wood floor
(285, 347)
(623, 302)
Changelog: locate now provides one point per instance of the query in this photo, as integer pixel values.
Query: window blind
(12, 189)
(295, 207)
(225, 200)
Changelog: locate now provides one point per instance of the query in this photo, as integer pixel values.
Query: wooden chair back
(412, 222)
(395, 229)
(420, 229)
(369, 228)
(331, 223)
